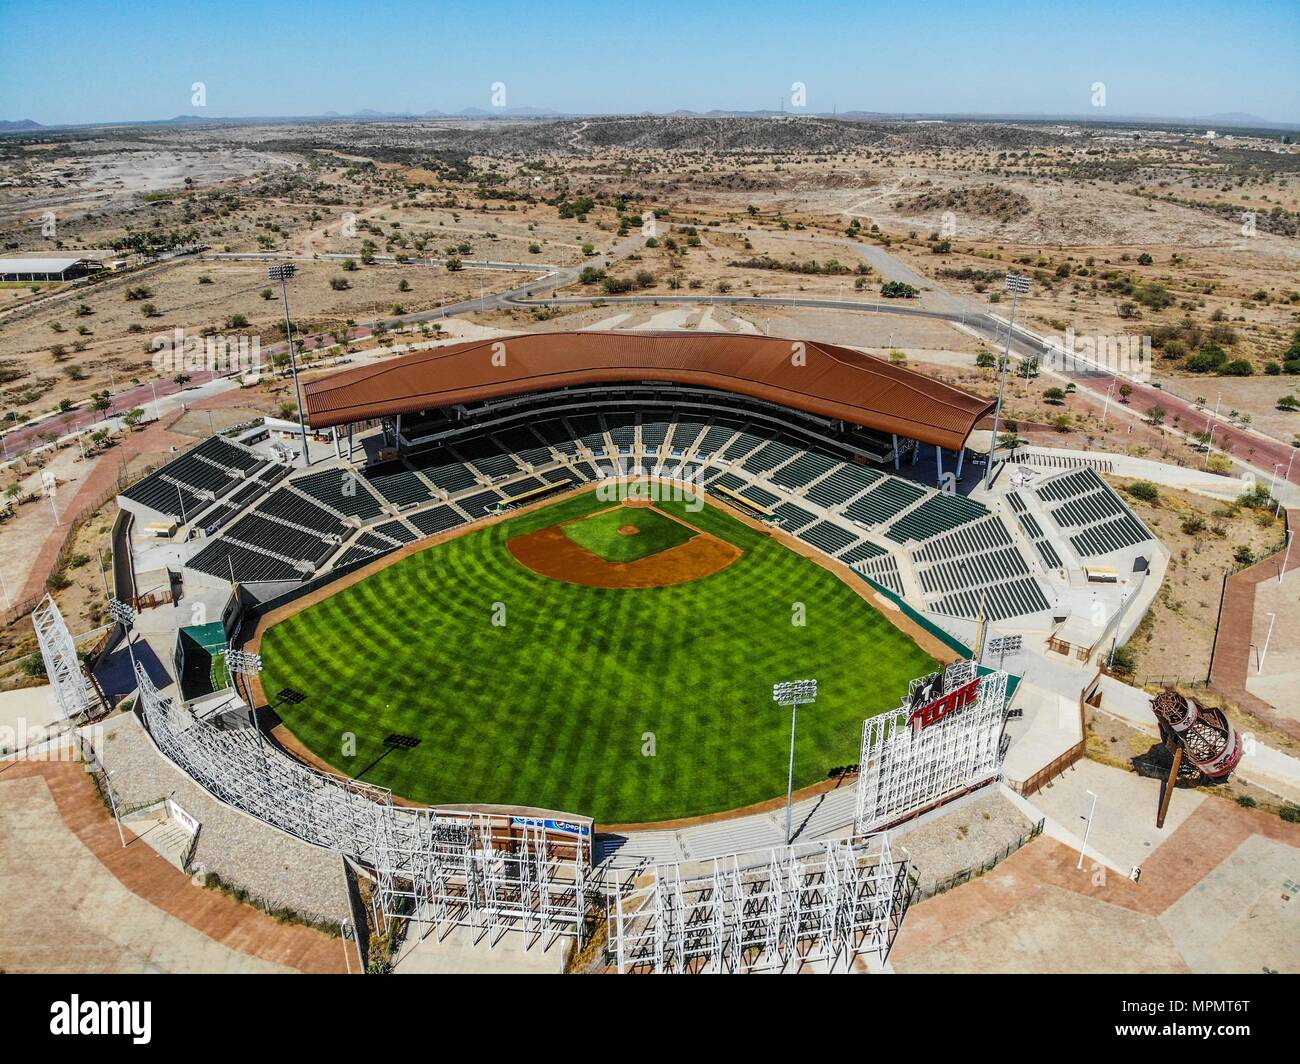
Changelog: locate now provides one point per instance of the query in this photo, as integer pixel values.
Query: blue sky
(81, 61)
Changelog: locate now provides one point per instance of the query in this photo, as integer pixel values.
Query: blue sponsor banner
(568, 827)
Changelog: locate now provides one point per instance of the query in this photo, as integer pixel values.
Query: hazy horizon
(1160, 60)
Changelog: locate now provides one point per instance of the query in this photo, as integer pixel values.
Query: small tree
(1125, 390)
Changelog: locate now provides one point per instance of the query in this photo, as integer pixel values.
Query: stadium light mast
(793, 693)
(124, 614)
(282, 272)
(1017, 284)
(244, 663)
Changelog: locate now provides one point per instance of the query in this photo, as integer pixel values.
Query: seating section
(883, 502)
(844, 483)
(291, 507)
(827, 537)
(685, 433)
(939, 513)
(275, 537)
(439, 519)
(397, 530)
(521, 441)
(741, 445)
(883, 569)
(478, 504)
(399, 485)
(443, 471)
(862, 551)
(622, 430)
(760, 496)
(962, 556)
(654, 431)
(555, 435)
(1091, 512)
(228, 561)
(769, 457)
(486, 457)
(715, 436)
(367, 547)
(342, 490)
(977, 562)
(803, 470)
(186, 485)
(793, 517)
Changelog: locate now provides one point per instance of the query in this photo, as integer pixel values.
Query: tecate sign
(935, 711)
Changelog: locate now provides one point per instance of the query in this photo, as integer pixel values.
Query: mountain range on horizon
(1229, 120)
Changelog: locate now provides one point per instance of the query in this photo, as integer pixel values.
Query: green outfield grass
(559, 705)
(600, 533)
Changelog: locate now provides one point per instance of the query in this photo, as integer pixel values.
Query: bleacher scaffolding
(826, 904)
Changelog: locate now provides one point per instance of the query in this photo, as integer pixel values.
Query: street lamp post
(282, 273)
(1264, 653)
(793, 693)
(1017, 285)
(1087, 831)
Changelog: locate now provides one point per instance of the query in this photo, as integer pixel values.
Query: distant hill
(21, 126)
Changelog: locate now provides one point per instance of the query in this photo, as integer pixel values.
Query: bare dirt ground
(45, 358)
(1205, 538)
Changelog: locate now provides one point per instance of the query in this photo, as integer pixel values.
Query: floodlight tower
(793, 693)
(124, 614)
(1017, 284)
(244, 663)
(282, 272)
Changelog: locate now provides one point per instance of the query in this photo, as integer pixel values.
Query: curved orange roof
(815, 377)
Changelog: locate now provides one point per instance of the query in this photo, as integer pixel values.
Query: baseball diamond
(632, 703)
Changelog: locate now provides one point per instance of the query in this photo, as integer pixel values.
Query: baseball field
(614, 660)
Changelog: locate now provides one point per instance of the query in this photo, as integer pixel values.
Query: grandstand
(781, 456)
(1097, 521)
(797, 472)
(187, 486)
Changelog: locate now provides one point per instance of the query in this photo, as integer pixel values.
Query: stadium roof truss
(59, 653)
(828, 903)
(908, 764)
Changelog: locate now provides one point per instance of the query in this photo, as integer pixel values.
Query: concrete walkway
(75, 900)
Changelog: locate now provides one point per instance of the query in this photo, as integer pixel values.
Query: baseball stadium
(514, 623)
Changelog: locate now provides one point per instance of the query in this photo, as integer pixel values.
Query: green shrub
(1144, 490)
(1208, 359)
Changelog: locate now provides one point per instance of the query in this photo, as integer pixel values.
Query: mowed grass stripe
(552, 709)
